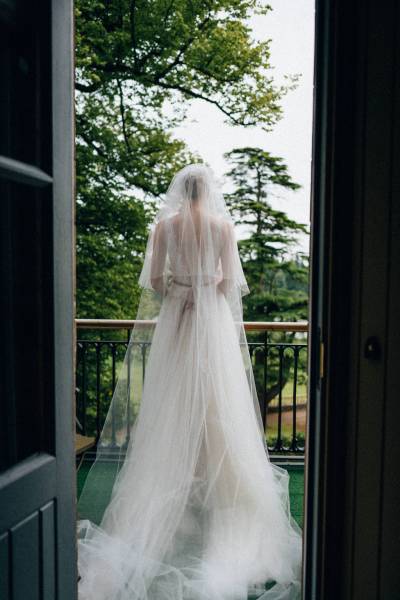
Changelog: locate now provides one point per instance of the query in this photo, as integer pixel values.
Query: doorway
(249, 145)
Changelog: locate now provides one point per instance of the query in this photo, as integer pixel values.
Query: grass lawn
(286, 424)
(287, 394)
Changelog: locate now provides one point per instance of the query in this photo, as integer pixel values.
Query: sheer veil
(161, 427)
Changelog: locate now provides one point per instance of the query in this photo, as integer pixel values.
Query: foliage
(278, 281)
(139, 64)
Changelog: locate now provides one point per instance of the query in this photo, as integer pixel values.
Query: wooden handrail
(248, 325)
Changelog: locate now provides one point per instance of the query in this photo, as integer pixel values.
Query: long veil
(173, 424)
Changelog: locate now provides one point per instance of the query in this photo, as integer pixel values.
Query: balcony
(280, 370)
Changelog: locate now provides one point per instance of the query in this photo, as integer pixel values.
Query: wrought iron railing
(279, 368)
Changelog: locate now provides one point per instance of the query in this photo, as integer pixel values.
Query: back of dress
(193, 240)
(194, 248)
(194, 243)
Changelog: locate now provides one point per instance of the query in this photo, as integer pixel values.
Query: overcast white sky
(290, 25)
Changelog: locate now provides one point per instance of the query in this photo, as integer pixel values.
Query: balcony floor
(296, 490)
(296, 487)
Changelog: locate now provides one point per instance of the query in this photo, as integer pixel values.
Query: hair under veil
(161, 425)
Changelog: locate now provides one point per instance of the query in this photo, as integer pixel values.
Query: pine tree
(278, 280)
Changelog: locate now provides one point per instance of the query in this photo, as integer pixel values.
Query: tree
(278, 281)
(139, 64)
(116, 199)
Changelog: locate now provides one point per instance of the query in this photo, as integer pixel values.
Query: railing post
(113, 439)
(265, 407)
(279, 444)
(143, 347)
(294, 446)
(128, 392)
(98, 429)
(83, 403)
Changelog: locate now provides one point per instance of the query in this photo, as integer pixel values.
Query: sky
(290, 26)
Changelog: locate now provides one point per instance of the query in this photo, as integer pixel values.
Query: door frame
(352, 285)
(63, 52)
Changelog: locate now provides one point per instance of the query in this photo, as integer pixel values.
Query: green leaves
(135, 60)
(278, 282)
(193, 49)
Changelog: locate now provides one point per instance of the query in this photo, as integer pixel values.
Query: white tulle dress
(197, 511)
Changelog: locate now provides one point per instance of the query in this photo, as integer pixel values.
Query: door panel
(24, 558)
(352, 521)
(37, 464)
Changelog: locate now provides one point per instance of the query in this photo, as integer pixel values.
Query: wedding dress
(196, 511)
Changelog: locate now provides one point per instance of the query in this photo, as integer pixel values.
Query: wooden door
(37, 474)
(352, 525)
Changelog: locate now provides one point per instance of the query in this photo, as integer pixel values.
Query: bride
(182, 501)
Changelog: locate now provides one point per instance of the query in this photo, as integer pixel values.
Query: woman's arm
(158, 258)
(227, 253)
(232, 270)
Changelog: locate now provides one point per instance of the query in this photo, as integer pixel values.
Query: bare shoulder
(227, 228)
(165, 224)
(221, 224)
(175, 221)
(160, 231)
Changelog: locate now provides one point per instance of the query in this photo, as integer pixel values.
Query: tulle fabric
(197, 511)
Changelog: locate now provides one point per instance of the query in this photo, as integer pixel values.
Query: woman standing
(197, 511)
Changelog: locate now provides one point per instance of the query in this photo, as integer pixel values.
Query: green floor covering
(96, 505)
(296, 490)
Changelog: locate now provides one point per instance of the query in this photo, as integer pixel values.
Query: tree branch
(122, 111)
(183, 49)
(92, 87)
(199, 96)
(90, 142)
(132, 9)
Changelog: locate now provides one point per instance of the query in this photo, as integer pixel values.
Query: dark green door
(37, 483)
